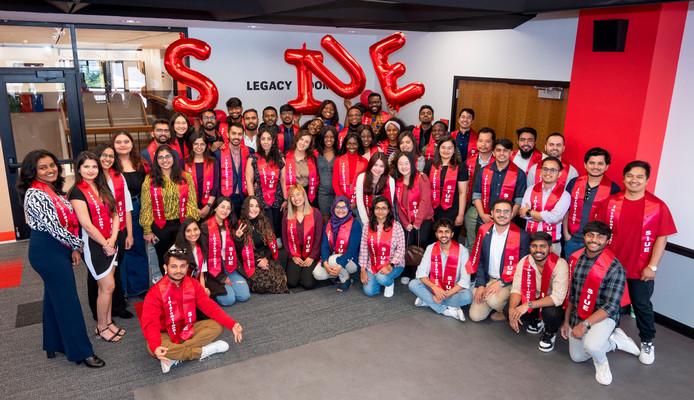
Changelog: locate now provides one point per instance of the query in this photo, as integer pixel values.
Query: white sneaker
(420, 303)
(624, 342)
(404, 280)
(647, 355)
(166, 368)
(455, 312)
(389, 290)
(602, 373)
(215, 347)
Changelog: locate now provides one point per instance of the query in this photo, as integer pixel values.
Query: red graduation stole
(214, 255)
(471, 144)
(535, 158)
(562, 177)
(429, 152)
(342, 236)
(379, 250)
(98, 210)
(343, 177)
(471, 163)
(444, 276)
(227, 169)
(199, 259)
(179, 315)
(176, 147)
(507, 188)
(384, 146)
(290, 171)
(119, 196)
(207, 178)
(158, 201)
(66, 217)
(280, 136)
(294, 246)
(248, 255)
(536, 203)
(511, 251)
(223, 129)
(368, 198)
(577, 195)
(528, 289)
(416, 132)
(151, 149)
(412, 202)
(591, 287)
(269, 178)
(649, 228)
(341, 137)
(443, 195)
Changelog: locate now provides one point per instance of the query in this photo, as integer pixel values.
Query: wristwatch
(530, 305)
(653, 268)
(527, 213)
(586, 324)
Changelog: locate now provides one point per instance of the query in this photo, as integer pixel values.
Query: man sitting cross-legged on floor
(442, 283)
(168, 316)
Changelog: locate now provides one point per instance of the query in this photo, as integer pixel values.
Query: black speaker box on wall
(610, 34)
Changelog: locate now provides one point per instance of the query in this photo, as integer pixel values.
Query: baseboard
(676, 326)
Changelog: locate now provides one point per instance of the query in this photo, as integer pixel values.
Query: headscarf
(335, 221)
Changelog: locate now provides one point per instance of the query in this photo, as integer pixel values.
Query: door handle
(12, 165)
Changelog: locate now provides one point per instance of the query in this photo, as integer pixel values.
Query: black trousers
(167, 237)
(118, 304)
(551, 316)
(274, 215)
(300, 275)
(640, 293)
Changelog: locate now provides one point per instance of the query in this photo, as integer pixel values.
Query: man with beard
(250, 121)
(234, 109)
(442, 283)
(465, 136)
(592, 310)
(354, 118)
(208, 121)
(288, 129)
(422, 132)
(232, 162)
(538, 292)
(498, 247)
(545, 204)
(161, 135)
(485, 140)
(526, 154)
(375, 116)
(640, 224)
(270, 117)
(554, 147)
(588, 192)
(169, 317)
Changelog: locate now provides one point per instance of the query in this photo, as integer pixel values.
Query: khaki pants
(204, 332)
(480, 311)
(470, 225)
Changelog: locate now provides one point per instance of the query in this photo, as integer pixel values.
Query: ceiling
(407, 15)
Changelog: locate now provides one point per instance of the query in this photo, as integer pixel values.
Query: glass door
(39, 109)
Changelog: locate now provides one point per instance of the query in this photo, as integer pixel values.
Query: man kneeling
(539, 290)
(441, 280)
(169, 319)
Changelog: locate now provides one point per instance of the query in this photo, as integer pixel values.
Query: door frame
(72, 98)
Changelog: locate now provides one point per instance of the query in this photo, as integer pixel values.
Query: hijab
(335, 221)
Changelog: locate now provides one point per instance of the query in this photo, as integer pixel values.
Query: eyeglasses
(111, 156)
(341, 208)
(507, 212)
(209, 118)
(354, 115)
(164, 157)
(380, 208)
(286, 113)
(550, 170)
(162, 131)
(586, 195)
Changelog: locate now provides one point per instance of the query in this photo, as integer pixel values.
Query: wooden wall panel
(506, 107)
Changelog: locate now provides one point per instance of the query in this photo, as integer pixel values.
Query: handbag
(413, 253)
(215, 287)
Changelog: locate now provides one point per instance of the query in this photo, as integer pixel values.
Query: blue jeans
(134, 268)
(373, 286)
(462, 298)
(572, 246)
(237, 291)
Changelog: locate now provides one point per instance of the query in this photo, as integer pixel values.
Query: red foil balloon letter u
(388, 73)
(173, 62)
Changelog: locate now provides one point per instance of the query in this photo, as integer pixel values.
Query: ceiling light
(255, 27)
(130, 21)
(351, 31)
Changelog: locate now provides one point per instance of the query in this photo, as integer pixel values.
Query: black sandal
(98, 333)
(120, 332)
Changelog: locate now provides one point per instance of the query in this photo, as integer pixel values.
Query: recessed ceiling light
(351, 31)
(131, 21)
(255, 27)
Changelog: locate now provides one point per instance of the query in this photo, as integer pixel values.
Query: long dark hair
(100, 181)
(373, 223)
(182, 243)
(368, 177)
(275, 155)
(27, 173)
(206, 155)
(309, 152)
(173, 131)
(135, 158)
(320, 139)
(413, 170)
(350, 135)
(233, 221)
(363, 128)
(262, 223)
(156, 174)
(336, 117)
(99, 149)
(409, 134)
(455, 160)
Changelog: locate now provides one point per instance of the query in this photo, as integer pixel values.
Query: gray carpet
(271, 323)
